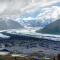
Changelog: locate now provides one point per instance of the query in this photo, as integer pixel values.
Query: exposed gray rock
(9, 24)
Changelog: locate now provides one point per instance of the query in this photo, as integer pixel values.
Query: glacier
(32, 33)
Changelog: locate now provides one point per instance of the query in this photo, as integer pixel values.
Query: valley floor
(29, 42)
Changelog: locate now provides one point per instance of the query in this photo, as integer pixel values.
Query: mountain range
(35, 23)
(6, 23)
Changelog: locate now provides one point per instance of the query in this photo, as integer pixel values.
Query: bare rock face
(9, 24)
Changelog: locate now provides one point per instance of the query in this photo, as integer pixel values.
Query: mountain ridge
(52, 28)
(6, 23)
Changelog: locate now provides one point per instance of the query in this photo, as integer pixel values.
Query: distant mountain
(35, 23)
(6, 23)
(52, 28)
(27, 23)
(41, 23)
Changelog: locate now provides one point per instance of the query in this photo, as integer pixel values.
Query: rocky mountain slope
(9, 24)
(53, 28)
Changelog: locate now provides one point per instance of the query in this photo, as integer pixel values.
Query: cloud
(49, 13)
(12, 8)
(36, 4)
(53, 12)
(2, 7)
(15, 8)
(29, 18)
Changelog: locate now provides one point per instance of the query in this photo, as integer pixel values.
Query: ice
(32, 33)
(4, 36)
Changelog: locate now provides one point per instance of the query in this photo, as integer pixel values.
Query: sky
(30, 9)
